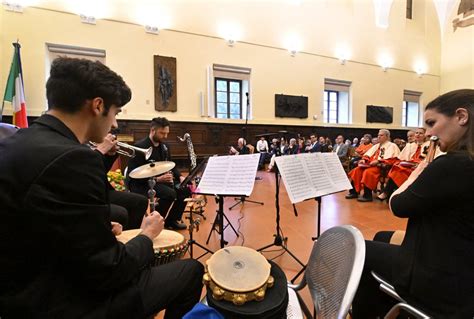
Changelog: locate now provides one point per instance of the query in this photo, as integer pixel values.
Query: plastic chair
(401, 305)
(333, 272)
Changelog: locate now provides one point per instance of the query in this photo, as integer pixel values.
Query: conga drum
(168, 245)
(241, 283)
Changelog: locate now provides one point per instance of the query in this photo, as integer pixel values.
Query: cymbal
(152, 169)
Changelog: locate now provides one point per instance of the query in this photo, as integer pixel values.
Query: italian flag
(14, 92)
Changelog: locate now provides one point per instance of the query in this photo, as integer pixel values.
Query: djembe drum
(241, 283)
(168, 246)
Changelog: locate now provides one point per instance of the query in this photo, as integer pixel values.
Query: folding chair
(333, 273)
(401, 305)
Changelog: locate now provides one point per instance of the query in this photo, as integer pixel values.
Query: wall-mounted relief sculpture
(465, 17)
(165, 83)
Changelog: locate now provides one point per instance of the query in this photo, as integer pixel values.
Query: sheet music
(311, 175)
(229, 175)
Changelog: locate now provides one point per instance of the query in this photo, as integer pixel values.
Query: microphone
(247, 94)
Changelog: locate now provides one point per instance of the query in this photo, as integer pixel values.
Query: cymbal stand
(152, 193)
(194, 224)
(279, 239)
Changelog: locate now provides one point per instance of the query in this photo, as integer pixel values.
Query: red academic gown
(369, 176)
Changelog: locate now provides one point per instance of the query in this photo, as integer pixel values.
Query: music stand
(228, 176)
(279, 239)
(323, 174)
(218, 224)
(194, 223)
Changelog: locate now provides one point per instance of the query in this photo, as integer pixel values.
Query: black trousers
(369, 301)
(168, 195)
(175, 286)
(127, 208)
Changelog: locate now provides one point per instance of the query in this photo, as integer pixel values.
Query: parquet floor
(257, 225)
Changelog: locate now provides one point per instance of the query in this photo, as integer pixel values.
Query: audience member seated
(365, 145)
(314, 146)
(324, 146)
(341, 148)
(409, 158)
(433, 268)
(293, 147)
(171, 197)
(241, 148)
(301, 144)
(264, 150)
(355, 142)
(329, 144)
(274, 151)
(366, 175)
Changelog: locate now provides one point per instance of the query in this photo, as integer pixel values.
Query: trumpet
(129, 150)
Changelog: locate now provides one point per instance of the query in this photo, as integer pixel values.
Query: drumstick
(169, 209)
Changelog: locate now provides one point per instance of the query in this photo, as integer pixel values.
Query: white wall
(130, 53)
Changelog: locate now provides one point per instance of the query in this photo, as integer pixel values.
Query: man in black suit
(171, 198)
(59, 257)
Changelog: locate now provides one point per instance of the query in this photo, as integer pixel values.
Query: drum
(273, 305)
(168, 246)
(238, 274)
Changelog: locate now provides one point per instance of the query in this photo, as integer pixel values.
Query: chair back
(7, 130)
(334, 270)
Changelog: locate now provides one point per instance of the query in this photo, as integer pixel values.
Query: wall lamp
(87, 19)
(152, 29)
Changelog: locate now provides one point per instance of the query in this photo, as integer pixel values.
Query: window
(409, 14)
(54, 51)
(336, 101)
(230, 98)
(411, 108)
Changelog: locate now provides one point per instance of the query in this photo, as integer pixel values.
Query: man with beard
(166, 184)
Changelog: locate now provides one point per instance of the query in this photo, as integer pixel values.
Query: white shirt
(262, 146)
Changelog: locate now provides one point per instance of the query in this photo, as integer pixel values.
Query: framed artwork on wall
(165, 83)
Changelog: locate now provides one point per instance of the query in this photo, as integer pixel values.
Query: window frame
(327, 106)
(228, 81)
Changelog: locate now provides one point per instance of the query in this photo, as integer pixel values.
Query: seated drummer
(59, 256)
(171, 198)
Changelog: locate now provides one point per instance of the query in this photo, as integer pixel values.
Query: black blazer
(58, 256)
(160, 153)
(435, 268)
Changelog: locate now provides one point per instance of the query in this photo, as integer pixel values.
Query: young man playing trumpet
(59, 257)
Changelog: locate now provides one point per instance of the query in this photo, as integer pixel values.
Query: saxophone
(192, 156)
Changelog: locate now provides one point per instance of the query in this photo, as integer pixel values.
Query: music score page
(311, 175)
(229, 175)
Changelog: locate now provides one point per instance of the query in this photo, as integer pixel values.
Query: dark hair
(159, 122)
(447, 104)
(74, 81)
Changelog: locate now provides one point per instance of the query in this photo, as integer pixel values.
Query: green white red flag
(14, 92)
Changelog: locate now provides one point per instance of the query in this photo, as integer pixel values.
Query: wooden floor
(256, 223)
